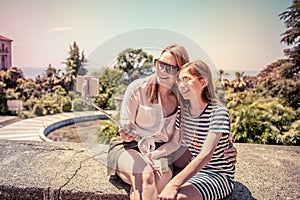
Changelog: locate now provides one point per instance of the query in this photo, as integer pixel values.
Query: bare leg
(188, 192)
(134, 170)
(162, 179)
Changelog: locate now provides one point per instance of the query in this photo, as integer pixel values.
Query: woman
(205, 126)
(149, 107)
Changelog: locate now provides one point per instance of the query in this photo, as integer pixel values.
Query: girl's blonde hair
(200, 70)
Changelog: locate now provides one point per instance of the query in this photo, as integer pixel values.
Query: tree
(110, 82)
(75, 65)
(131, 64)
(50, 79)
(135, 63)
(14, 74)
(76, 62)
(291, 36)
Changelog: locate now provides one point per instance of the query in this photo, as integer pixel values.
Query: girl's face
(190, 86)
(166, 70)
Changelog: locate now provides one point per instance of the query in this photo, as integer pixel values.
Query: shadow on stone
(240, 191)
(119, 183)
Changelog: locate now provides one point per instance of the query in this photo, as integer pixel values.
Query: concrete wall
(43, 170)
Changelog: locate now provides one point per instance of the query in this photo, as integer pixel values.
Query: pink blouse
(148, 118)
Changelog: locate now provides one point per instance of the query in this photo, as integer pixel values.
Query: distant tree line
(50, 93)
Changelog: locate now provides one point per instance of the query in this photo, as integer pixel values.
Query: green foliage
(66, 104)
(76, 62)
(276, 80)
(3, 99)
(291, 18)
(80, 105)
(12, 94)
(109, 82)
(256, 119)
(39, 110)
(134, 63)
(131, 65)
(25, 114)
(107, 131)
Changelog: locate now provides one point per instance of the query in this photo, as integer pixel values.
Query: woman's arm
(204, 157)
(128, 112)
(231, 153)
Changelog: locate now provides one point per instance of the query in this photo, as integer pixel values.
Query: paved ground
(28, 129)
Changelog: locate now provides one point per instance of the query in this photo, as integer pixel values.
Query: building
(5, 53)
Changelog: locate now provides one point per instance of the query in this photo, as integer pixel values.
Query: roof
(5, 38)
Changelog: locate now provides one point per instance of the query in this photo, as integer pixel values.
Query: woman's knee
(147, 178)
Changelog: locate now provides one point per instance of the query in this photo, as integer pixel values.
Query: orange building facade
(5, 53)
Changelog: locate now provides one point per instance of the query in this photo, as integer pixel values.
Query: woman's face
(190, 86)
(166, 70)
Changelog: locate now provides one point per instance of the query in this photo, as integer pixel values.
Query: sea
(34, 72)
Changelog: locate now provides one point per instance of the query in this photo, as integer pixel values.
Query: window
(3, 67)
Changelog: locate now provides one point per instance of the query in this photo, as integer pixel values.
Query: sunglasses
(170, 69)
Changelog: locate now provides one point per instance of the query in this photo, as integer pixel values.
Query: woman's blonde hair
(181, 56)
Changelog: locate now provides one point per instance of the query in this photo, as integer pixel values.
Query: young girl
(205, 126)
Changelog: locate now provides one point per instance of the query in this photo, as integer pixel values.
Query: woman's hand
(128, 134)
(231, 153)
(126, 137)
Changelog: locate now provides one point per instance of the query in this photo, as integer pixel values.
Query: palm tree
(238, 83)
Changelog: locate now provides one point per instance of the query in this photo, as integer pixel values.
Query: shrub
(26, 114)
(39, 110)
(107, 131)
(80, 105)
(66, 104)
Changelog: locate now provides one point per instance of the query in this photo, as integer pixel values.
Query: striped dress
(215, 180)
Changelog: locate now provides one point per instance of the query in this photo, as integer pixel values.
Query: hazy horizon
(235, 34)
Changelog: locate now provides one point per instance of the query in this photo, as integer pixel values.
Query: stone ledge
(42, 170)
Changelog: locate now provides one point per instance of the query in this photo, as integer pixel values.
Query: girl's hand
(231, 153)
(148, 158)
(169, 192)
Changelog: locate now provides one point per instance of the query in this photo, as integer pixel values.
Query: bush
(26, 114)
(80, 105)
(107, 131)
(266, 121)
(66, 104)
(39, 110)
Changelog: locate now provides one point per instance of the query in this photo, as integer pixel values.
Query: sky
(235, 34)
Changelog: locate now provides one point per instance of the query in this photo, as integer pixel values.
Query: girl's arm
(170, 191)
(168, 147)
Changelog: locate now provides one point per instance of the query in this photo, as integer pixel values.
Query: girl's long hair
(200, 69)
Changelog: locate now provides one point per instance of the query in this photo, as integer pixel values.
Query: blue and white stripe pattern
(215, 180)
